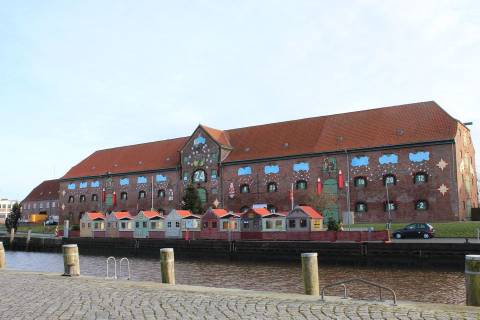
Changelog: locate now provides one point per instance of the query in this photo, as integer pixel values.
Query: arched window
(420, 178)
(360, 182)
(71, 199)
(271, 208)
(199, 176)
(161, 193)
(301, 185)
(271, 187)
(142, 194)
(82, 198)
(390, 206)
(361, 207)
(244, 209)
(202, 194)
(94, 197)
(123, 196)
(244, 188)
(389, 179)
(421, 205)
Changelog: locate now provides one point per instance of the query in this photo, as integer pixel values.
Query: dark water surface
(427, 285)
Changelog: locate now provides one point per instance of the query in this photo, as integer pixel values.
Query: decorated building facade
(403, 163)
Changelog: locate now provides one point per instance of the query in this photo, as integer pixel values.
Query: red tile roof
(95, 215)
(312, 213)
(218, 135)
(219, 212)
(47, 190)
(141, 157)
(122, 215)
(403, 124)
(151, 214)
(186, 214)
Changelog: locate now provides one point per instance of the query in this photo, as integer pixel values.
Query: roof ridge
(339, 114)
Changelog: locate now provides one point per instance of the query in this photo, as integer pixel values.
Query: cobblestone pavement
(25, 295)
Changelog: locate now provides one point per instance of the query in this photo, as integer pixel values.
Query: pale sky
(77, 76)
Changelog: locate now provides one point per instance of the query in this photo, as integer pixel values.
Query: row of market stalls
(301, 223)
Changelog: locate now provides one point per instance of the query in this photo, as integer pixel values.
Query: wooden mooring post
(472, 279)
(167, 265)
(310, 273)
(2, 256)
(71, 260)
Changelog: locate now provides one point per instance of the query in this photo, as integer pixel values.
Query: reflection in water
(409, 284)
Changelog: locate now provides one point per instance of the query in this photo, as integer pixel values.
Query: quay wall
(371, 253)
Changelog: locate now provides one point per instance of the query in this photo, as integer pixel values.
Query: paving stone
(54, 297)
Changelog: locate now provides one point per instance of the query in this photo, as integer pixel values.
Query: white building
(5, 208)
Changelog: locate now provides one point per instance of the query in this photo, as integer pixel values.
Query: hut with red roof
(120, 225)
(261, 224)
(182, 224)
(302, 221)
(149, 224)
(92, 224)
(218, 224)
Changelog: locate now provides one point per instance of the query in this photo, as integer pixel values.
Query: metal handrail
(115, 268)
(380, 287)
(128, 267)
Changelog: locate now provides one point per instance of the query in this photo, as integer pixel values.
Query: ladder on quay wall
(115, 277)
(345, 296)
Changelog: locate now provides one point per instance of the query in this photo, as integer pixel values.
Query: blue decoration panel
(388, 159)
(244, 171)
(124, 182)
(95, 184)
(141, 179)
(271, 169)
(71, 186)
(419, 156)
(83, 185)
(360, 161)
(160, 178)
(199, 140)
(301, 166)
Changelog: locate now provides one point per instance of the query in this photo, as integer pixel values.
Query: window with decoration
(420, 178)
(421, 205)
(244, 188)
(271, 187)
(199, 176)
(360, 182)
(361, 207)
(389, 180)
(301, 185)
(390, 206)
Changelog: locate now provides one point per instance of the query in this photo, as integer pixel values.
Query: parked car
(415, 230)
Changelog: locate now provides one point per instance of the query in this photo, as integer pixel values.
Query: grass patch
(442, 229)
(38, 228)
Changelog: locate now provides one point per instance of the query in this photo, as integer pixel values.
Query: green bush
(333, 225)
(75, 227)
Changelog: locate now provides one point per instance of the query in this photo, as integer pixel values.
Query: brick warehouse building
(421, 155)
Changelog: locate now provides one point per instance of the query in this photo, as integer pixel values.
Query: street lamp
(388, 205)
